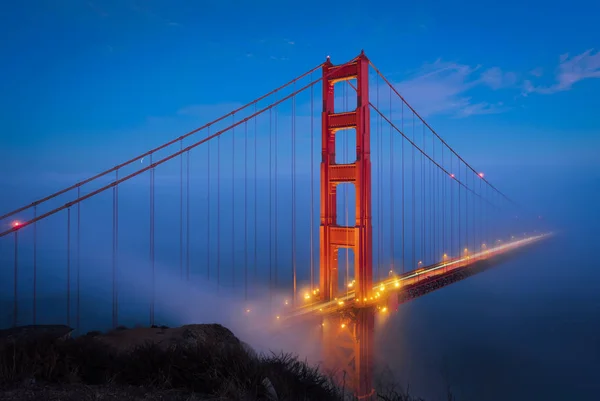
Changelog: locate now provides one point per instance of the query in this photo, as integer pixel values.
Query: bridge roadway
(403, 283)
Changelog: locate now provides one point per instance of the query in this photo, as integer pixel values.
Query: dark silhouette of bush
(205, 368)
(208, 368)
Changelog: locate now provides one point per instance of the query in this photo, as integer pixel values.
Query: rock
(188, 335)
(35, 332)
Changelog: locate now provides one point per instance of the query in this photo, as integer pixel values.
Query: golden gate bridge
(389, 212)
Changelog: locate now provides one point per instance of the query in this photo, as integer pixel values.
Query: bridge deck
(414, 283)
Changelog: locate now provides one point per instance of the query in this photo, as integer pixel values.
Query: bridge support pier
(348, 340)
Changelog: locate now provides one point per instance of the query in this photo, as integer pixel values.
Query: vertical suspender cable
(481, 233)
(208, 207)
(153, 285)
(114, 251)
(276, 217)
(467, 209)
(443, 200)
(380, 241)
(312, 189)
(294, 196)
(15, 282)
(379, 173)
(115, 248)
(414, 216)
(452, 213)
(187, 213)
(255, 196)
(219, 213)
(233, 203)
(402, 189)
(246, 210)
(392, 205)
(433, 206)
(459, 215)
(181, 212)
(35, 263)
(423, 249)
(270, 208)
(69, 267)
(78, 305)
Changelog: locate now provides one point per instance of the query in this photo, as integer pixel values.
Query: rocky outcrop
(222, 365)
(188, 335)
(35, 332)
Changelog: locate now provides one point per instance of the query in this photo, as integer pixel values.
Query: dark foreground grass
(202, 371)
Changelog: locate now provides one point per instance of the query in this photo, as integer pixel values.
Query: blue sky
(86, 84)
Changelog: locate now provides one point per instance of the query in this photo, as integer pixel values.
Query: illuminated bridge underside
(416, 283)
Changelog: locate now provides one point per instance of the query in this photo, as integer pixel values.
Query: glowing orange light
(16, 223)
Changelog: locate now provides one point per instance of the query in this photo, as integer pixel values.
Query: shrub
(209, 368)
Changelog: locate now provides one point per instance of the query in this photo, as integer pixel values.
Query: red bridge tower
(348, 339)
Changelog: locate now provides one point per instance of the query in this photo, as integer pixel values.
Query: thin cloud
(146, 12)
(537, 72)
(495, 78)
(99, 11)
(570, 70)
(442, 88)
(482, 108)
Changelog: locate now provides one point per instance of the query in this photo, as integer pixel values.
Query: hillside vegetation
(194, 362)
